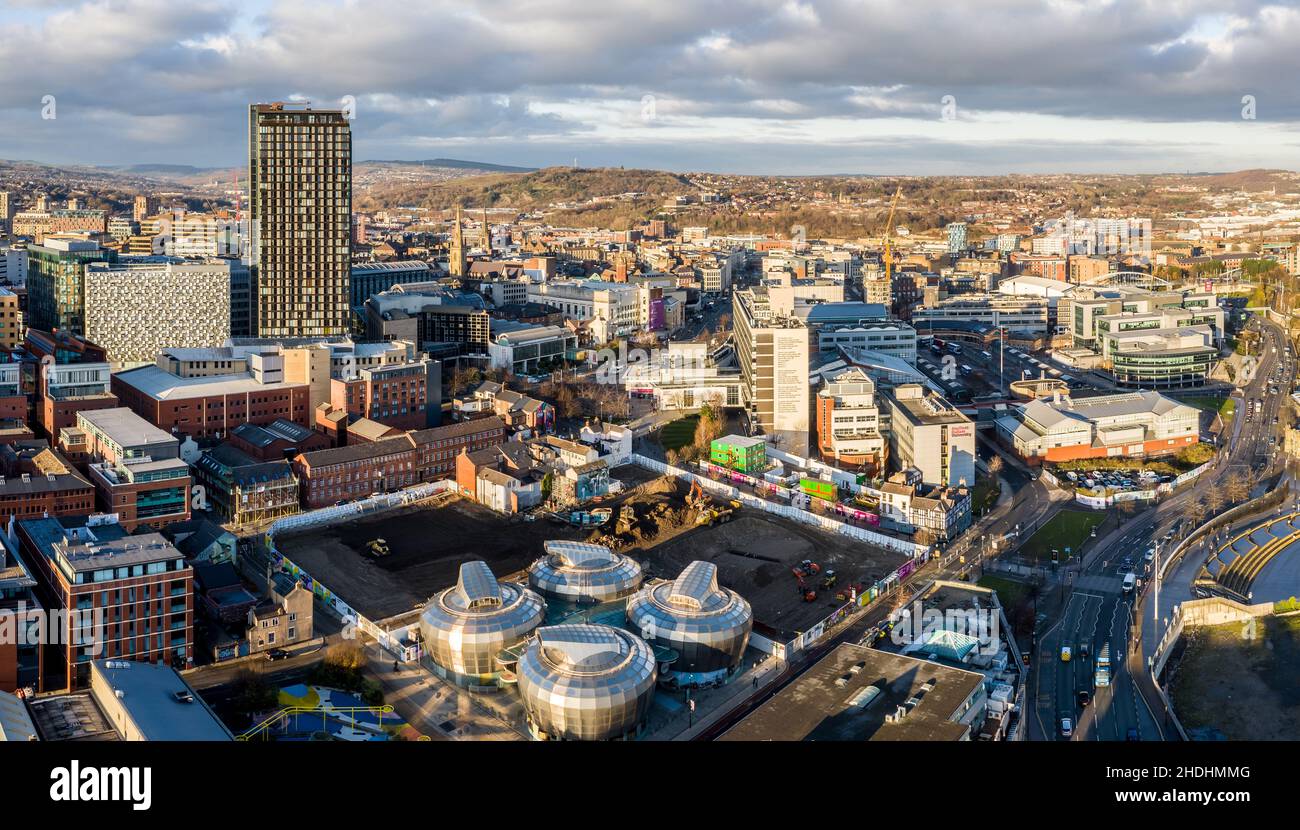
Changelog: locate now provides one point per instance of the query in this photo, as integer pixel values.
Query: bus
(1102, 676)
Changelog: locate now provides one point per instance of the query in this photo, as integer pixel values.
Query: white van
(1129, 580)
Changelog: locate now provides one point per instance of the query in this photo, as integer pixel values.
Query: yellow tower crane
(889, 230)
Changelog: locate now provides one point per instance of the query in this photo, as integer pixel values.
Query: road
(1097, 609)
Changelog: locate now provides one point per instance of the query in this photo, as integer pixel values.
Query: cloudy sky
(756, 86)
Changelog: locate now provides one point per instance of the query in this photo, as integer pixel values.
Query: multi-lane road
(1097, 609)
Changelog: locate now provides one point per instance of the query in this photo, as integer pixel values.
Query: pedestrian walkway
(433, 706)
(713, 704)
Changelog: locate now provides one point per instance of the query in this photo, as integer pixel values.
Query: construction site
(793, 574)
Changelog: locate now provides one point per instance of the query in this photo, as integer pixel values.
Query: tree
(1195, 511)
(995, 466)
(1236, 489)
(1214, 501)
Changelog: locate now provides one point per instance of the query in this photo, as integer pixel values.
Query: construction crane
(889, 258)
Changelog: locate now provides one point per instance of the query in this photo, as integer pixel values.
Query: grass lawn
(1211, 403)
(1011, 593)
(679, 433)
(1239, 682)
(1016, 601)
(984, 495)
(1067, 529)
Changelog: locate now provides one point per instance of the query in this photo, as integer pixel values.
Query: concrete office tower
(456, 261)
(144, 206)
(772, 351)
(136, 311)
(487, 235)
(7, 210)
(300, 219)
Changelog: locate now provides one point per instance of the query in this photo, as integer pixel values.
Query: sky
(734, 86)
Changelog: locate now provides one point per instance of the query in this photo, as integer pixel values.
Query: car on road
(277, 654)
(1130, 579)
(1085, 697)
(1132, 734)
(1067, 727)
(1065, 654)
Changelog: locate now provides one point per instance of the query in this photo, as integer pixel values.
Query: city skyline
(755, 87)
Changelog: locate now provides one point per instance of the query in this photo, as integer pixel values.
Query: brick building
(41, 482)
(357, 470)
(211, 406)
(134, 591)
(136, 469)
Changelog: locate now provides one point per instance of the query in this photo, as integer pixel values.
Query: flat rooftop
(816, 707)
(125, 427)
(89, 548)
(147, 691)
(163, 385)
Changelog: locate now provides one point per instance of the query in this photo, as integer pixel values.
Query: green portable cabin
(818, 489)
(747, 455)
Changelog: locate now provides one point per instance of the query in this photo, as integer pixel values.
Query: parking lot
(1120, 480)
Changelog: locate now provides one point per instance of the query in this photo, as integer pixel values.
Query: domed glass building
(583, 573)
(466, 627)
(708, 626)
(586, 682)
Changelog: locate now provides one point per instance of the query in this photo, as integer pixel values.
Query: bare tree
(1236, 489)
(1195, 512)
(1214, 501)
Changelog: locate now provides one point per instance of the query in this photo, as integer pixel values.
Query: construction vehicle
(626, 519)
(714, 515)
(590, 518)
(377, 548)
(695, 497)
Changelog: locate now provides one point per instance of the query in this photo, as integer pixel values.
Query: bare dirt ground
(755, 552)
(1239, 684)
(428, 545)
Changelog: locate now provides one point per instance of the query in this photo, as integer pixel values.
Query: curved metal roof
(707, 624)
(582, 572)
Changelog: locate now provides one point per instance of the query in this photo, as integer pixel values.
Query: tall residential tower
(300, 219)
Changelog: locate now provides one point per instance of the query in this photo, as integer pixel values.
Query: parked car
(277, 654)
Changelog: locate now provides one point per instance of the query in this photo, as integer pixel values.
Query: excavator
(706, 513)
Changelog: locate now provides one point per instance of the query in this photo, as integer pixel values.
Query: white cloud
(1155, 77)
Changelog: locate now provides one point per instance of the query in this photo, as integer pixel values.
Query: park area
(1224, 406)
(1238, 681)
(679, 433)
(1067, 530)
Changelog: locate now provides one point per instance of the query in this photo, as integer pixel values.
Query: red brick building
(360, 469)
(43, 483)
(135, 593)
(277, 440)
(209, 407)
(395, 395)
(71, 375)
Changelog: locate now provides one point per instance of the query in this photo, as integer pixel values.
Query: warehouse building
(1131, 425)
